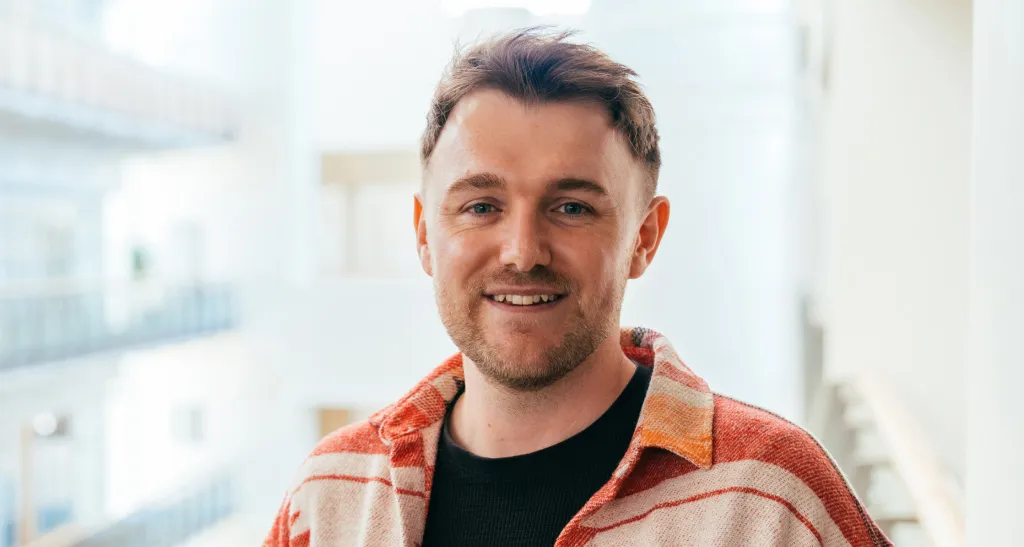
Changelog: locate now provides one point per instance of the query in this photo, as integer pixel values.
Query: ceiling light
(45, 424)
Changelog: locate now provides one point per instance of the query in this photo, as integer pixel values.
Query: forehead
(488, 131)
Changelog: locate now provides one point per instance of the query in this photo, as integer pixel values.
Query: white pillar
(995, 475)
(896, 180)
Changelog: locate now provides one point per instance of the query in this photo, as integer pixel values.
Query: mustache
(536, 276)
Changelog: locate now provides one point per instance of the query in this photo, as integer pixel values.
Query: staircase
(908, 492)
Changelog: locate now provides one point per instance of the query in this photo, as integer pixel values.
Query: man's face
(529, 224)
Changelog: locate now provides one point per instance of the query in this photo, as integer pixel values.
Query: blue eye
(573, 209)
(482, 208)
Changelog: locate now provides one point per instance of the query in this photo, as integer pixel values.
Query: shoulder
(359, 437)
(331, 476)
(767, 453)
(354, 450)
(743, 431)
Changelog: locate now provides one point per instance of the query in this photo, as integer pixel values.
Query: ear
(420, 223)
(652, 228)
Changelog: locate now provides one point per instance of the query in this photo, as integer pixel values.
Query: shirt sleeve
(280, 532)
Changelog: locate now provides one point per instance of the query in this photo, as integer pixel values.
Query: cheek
(457, 258)
(591, 259)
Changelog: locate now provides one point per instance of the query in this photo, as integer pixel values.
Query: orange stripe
(713, 493)
(363, 480)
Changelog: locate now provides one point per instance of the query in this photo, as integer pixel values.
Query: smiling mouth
(525, 299)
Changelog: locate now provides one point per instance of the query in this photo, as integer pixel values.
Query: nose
(525, 244)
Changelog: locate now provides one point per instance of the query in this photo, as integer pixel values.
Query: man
(552, 426)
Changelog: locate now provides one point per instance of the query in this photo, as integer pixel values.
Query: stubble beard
(587, 327)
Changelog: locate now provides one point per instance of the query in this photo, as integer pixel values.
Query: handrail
(844, 411)
(62, 536)
(169, 523)
(72, 285)
(160, 524)
(926, 479)
(43, 325)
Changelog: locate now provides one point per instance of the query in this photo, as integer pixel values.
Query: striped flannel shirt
(701, 470)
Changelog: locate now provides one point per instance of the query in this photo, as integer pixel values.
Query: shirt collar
(677, 413)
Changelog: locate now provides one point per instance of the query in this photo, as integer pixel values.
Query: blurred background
(207, 258)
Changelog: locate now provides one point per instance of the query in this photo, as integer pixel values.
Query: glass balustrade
(46, 325)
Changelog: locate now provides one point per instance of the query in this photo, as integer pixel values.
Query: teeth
(524, 300)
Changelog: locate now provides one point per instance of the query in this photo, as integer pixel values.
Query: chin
(531, 353)
(523, 375)
(523, 331)
(533, 345)
(523, 365)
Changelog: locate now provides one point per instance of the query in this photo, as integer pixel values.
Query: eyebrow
(476, 181)
(491, 181)
(569, 184)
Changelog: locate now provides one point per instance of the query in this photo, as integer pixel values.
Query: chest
(528, 512)
(678, 513)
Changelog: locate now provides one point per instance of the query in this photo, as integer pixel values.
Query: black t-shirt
(527, 500)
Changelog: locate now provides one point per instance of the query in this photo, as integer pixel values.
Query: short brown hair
(535, 65)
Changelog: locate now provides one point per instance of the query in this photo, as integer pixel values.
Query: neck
(494, 421)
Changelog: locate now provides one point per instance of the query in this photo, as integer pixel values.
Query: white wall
(221, 376)
(996, 409)
(377, 239)
(896, 165)
(358, 342)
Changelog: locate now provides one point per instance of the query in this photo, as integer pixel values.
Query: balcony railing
(170, 523)
(166, 523)
(49, 323)
(74, 85)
